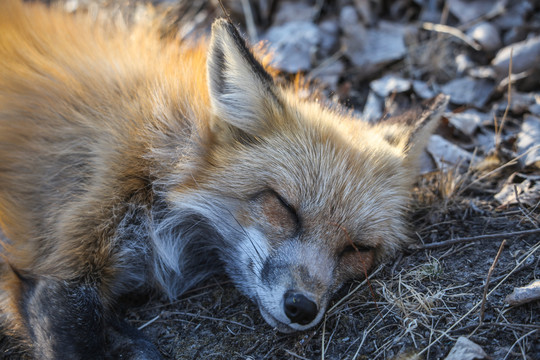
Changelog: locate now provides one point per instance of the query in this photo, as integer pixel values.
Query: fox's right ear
(242, 93)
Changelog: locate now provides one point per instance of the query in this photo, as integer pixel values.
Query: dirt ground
(417, 305)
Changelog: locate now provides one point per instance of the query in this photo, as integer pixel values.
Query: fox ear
(411, 130)
(242, 93)
(424, 124)
(427, 121)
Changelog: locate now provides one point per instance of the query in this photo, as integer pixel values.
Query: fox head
(301, 197)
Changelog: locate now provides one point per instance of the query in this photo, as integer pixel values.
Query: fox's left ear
(242, 93)
(411, 130)
(424, 123)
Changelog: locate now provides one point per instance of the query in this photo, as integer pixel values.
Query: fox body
(130, 162)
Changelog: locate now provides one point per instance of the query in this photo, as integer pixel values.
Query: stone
(525, 294)
(446, 154)
(468, 121)
(382, 46)
(487, 35)
(527, 142)
(293, 45)
(466, 10)
(465, 349)
(469, 91)
(525, 55)
(389, 84)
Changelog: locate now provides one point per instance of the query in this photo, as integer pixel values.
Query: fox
(130, 162)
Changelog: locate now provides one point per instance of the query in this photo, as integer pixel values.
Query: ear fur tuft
(242, 93)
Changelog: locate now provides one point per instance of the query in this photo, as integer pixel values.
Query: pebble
(390, 84)
(527, 140)
(487, 35)
(446, 154)
(469, 91)
(468, 121)
(525, 55)
(293, 45)
(465, 349)
(383, 45)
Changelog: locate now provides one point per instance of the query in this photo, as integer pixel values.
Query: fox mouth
(283, 327)
(272, 321)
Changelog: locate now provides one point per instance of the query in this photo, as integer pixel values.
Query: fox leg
(67, 320)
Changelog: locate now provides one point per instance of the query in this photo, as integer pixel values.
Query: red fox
(129, 162)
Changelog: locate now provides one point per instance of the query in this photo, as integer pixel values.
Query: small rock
(389, 84)
(520, 102)
(465, 349)
(293, 45)
(469, 91)
(292, 11)
(526, 55)
(365, 12)
(422, 89)
(329, 30)
(527, 141)
(485, 141)
(468, 121)
(514, 15)
(354, 33)
(382, 46)
(527, 188)
(373, 109)
(523, 295)
(486, 35)
(466, 10)
(446, 154)
(535, 109)
(463, 63)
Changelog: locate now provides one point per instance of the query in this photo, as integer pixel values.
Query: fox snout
(298, 308)
(293, 287)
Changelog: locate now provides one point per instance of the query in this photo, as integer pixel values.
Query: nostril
(299, 309)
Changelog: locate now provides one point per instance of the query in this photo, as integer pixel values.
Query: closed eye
(287, 206)
(356, 248)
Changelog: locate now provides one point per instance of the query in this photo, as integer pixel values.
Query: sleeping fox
(129, 162)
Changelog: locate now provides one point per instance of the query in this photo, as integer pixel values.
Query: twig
(322, 338)
(472, 238)
(498, 129)
(490, 271)
(517, 341)
(295, 355)
(211, 318)
(148, 322)
(445, 29)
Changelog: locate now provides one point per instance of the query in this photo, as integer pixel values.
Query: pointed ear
(426, 122)
(412, 129)
(242, 93)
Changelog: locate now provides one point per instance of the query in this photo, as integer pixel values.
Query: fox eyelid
(287, 205)
(353, 248)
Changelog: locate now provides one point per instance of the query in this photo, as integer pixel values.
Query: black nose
(299, 308)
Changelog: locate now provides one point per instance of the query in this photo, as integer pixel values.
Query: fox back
(132, 162)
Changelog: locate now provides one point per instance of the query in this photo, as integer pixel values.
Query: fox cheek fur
(157, 164)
